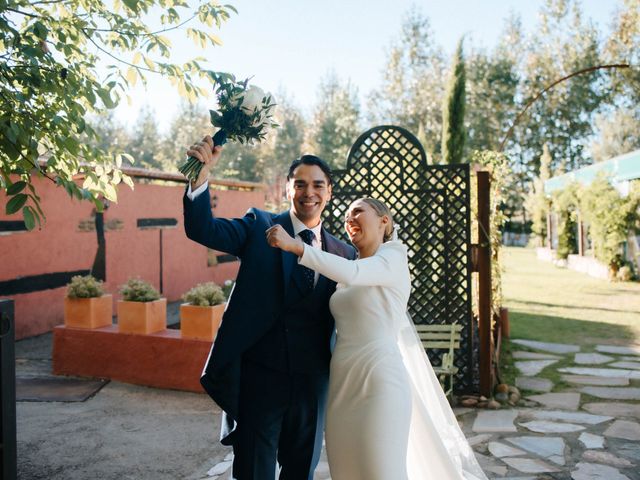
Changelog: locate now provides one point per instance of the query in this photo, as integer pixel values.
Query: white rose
(252, 99)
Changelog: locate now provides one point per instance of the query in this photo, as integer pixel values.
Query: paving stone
(591, 380)
(500, 450)
(602, 372)
(612, 393)
(478, 439)
(530, 465)
(624, 429)
(495, 421)
(595, 471)
(219, 469)
(459, 411)
(560, 348)
(629, 450)
(558, 460)
(606, 457)
(616, 409)
(563, 401)
(520, 355)
(541, 426)
(489, 464)
(533, 367)
(592, 358)
(542, 446)
(534, 384)
(517, 478)
(589, 440)
(630, 350)
(628, 359)
(630, 365)
(564, 416)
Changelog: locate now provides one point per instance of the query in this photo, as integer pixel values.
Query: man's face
(308, 190)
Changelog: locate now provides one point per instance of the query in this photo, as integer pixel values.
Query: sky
(293, 44)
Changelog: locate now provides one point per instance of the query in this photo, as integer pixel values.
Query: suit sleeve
(223, 234)
(387, 267)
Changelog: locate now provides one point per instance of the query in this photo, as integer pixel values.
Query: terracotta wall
(34, 266)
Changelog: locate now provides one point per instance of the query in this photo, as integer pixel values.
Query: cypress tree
(453, 131)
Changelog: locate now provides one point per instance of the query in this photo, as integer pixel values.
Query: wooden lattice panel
(431, 205)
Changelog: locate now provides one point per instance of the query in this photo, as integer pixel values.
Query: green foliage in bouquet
(205, 295)
(84, 287)
(138, 290)
(244, 114)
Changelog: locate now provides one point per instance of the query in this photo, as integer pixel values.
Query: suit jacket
(258, 298)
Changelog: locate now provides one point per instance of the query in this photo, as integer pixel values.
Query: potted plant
(141, 309)
(86, 306)
(201, 314)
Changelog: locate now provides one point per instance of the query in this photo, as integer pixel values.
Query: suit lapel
(288, 259)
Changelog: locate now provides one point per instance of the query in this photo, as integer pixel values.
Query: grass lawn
(552, 304)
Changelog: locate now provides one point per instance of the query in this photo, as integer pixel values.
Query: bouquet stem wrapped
(244, 114)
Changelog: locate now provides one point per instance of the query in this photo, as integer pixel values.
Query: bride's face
(363, 224)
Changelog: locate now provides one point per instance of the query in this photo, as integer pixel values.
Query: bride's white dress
(387, 416)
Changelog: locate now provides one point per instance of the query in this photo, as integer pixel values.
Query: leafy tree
(145, 143)
(537, 201)
(189, 124)
(453, 130)
(619, 133)
(334, 125)
(412, 84)
(54, 73)
(623, 45)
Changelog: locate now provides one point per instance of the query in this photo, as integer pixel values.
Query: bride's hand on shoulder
(278, 237)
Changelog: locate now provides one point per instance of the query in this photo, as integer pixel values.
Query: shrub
(84, 287)
(138, 290)
(624, 274)
(205, 295)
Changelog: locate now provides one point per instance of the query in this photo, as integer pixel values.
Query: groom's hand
(206, 153)
(278, 237)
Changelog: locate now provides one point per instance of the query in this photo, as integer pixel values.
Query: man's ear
(330, 191)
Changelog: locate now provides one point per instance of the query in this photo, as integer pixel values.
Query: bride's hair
(381, 209)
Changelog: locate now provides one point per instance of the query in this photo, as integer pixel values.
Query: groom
(268, 368)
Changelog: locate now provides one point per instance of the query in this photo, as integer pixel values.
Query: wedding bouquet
(244, 114)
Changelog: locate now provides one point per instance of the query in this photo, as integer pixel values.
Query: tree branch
(549, 87)
(116, 58)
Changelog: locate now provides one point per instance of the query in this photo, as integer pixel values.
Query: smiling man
(268, 368)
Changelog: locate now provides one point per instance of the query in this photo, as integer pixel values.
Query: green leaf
(16, 188)
(29, 219)
(16, 203)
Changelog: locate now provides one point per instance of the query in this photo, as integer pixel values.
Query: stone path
(588, 430)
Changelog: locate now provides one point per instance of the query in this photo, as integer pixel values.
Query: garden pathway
(585, 427)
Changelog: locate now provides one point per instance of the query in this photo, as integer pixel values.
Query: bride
(387, 416)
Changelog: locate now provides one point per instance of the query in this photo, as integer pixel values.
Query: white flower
(252, 99)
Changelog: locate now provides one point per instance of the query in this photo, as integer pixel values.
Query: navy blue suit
(269, 364)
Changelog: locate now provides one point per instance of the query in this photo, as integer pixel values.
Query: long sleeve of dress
(388, 267)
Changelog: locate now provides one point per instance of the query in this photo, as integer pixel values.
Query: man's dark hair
(310, 160)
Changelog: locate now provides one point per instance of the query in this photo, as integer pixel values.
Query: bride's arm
(388, 267)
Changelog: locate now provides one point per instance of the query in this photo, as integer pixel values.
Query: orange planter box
(142, 317)
(200, 322)
(88, 312)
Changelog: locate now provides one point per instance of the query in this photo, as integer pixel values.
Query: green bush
(610, 217)
(138, 290)
(84, 287)
(565, 205)
(205, 295)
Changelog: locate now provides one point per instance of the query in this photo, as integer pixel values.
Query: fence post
(484, 284)
(7, 391)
